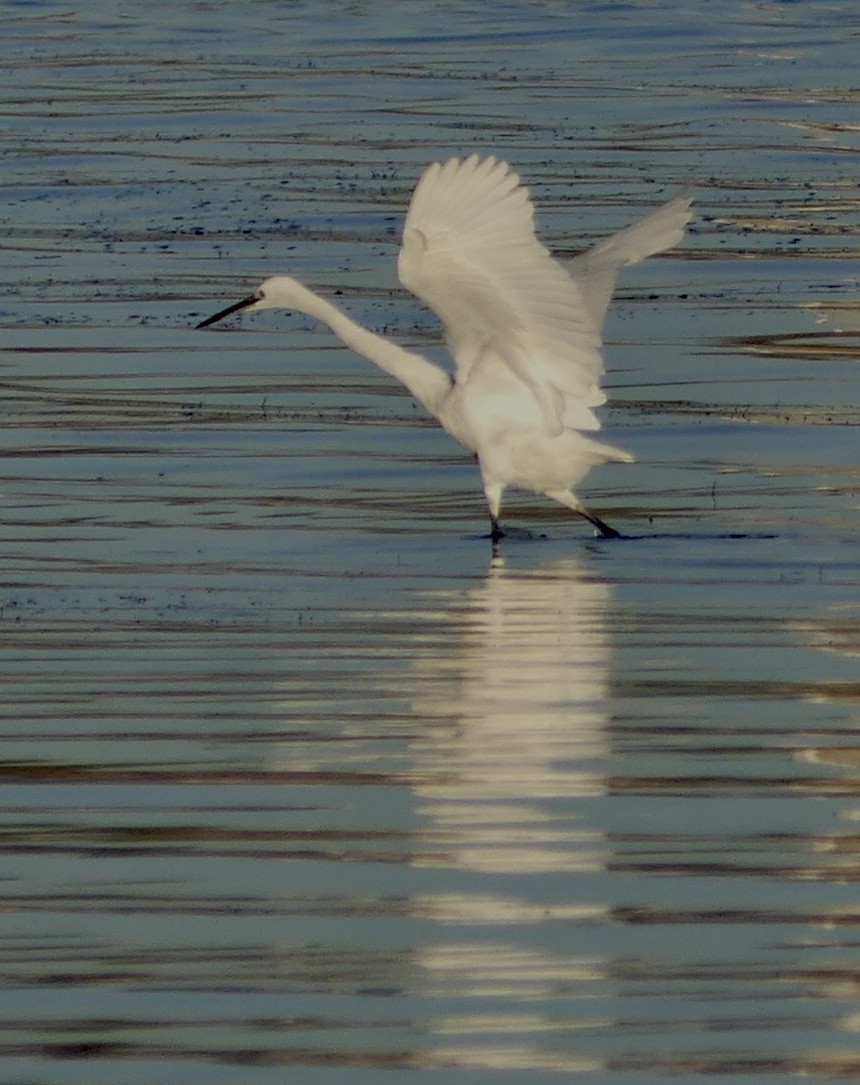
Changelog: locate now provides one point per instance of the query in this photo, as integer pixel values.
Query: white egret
(522, 327)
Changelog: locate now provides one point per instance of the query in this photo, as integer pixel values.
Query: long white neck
(427, 382)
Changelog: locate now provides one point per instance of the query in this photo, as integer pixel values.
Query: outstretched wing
(596, 270)
(470, 252)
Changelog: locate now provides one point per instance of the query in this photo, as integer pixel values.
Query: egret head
(279, 292)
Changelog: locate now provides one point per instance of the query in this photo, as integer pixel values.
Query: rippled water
(298, 781)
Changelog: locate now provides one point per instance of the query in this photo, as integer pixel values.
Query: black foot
(605, 531)
(601, 528)
(515, 534)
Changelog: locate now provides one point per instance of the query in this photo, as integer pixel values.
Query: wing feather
(597, 269)
(470, 252)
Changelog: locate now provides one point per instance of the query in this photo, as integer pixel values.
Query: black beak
(235, 308)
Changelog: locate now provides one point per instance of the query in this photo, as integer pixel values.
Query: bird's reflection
(506, 780)
(522, 694)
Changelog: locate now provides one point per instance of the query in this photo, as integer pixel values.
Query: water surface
(298, 779)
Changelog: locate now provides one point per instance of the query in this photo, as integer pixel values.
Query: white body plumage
(523, 328)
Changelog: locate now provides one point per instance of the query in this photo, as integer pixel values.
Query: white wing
(597, 270)
(469, 252)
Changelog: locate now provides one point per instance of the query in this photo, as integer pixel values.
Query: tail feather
(600, 452)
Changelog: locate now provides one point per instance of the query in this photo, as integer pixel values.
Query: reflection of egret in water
(525, 683)
(507, 784)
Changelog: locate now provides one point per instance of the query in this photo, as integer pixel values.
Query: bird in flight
(523, 328)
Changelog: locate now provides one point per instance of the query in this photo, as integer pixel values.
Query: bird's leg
(605, 530)
(573, 502)
(493, 492)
